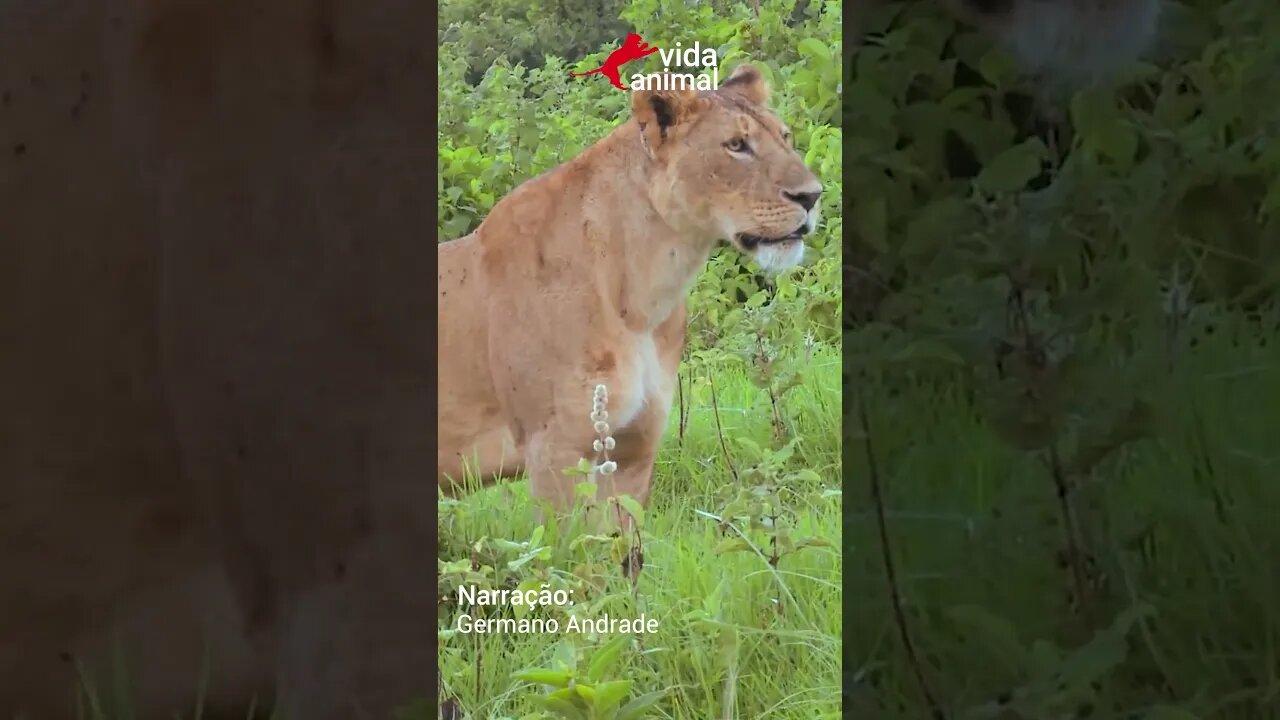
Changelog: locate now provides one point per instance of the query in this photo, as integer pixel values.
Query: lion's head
(725, 168)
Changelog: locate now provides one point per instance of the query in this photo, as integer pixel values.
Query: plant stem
(890, 571)
(684, 411)
(715, 408)
(1075, 556)
(1062, 486)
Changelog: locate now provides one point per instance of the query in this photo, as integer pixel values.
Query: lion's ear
(748, 82)
(660, 112)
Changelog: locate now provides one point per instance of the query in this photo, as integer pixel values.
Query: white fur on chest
(646, 382)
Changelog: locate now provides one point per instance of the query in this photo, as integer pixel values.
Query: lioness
(579, 277)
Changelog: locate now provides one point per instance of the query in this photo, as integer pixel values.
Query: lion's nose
(805, 200)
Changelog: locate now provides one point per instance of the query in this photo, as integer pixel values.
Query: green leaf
(993, 632)
(806, 475)
(998, 67)
(609, 695)
(568, 694)
(822, 59)
(565, 655)
(783, 454)
(637, 707)
(633, 509)
(542, 676)
(1117, 140)
(522, 560)
(872, 220)
(1013, 168)
(605, 657)
(711, 604)
(1105, 651)
(562, 708)
(749, 444)
(933, 226)
(583, 468)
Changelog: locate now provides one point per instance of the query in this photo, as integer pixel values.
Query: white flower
(602, 391)
(601, 427)
(608, 467)
(599, 416)
(608, 443)
(597, 446)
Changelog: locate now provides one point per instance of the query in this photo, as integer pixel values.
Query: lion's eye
(786, 137)
(738, 145)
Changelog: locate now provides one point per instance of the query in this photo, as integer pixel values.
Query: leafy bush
(1049, 299)
(524, 32)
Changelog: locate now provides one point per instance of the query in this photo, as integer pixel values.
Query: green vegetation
(740, 547)
(1061, 343)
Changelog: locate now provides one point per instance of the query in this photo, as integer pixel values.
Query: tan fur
(579, 277)
(215, 353)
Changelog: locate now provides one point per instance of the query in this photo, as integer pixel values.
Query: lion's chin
(778, 256)
(773, 254)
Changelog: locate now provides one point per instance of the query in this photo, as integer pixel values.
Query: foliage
(1047, 294)
(524, 32)
(579, 694)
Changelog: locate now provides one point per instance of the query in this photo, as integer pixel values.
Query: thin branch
(1035, 354)
(684, 411)
(715, 408)
(890, 571)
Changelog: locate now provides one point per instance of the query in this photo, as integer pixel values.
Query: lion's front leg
(550, 452)
(636, 444)
(632, 456)
(635, 452)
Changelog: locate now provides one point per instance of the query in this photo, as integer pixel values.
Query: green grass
(770, 648)
(1183, 522)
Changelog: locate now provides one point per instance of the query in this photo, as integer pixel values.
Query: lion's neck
(660, 263)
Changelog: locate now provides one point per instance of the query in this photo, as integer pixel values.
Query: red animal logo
(633, 48)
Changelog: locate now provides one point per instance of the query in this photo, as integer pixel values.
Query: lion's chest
(643, 379)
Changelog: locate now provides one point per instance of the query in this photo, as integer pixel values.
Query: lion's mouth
(751, 242)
